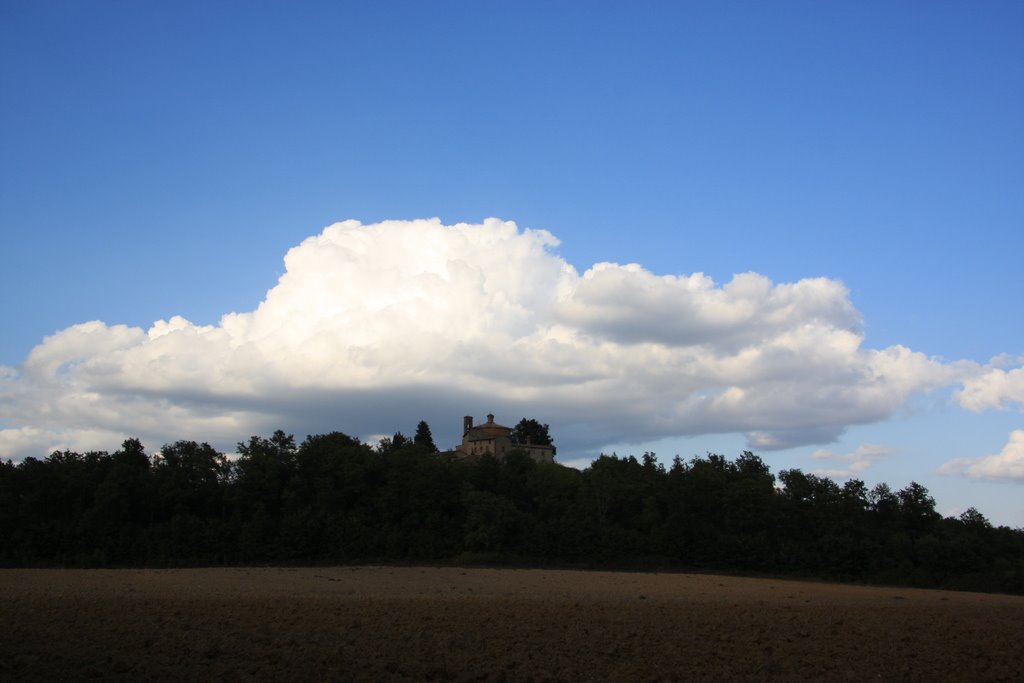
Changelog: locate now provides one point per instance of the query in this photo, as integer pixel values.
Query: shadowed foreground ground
(382, 623)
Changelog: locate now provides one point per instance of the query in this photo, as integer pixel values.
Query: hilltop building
(491, 438)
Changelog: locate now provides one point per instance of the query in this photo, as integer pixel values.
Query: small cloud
(850, 464)
(576, 463)
(954, 511)
(996, 388)
(374, 439)
(781, 439)
(1008, 464)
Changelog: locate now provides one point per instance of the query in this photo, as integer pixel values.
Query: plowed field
(449, 624)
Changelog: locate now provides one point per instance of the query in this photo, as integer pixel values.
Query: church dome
(488, 430)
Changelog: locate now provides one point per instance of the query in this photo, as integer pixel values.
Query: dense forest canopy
(333, 499)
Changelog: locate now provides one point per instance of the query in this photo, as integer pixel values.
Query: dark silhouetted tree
(392, 443)
(530, 431)
(423, 438)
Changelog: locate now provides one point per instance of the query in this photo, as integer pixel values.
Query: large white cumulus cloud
(373, 327)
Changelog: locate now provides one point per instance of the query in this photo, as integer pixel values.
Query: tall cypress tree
(423, 437)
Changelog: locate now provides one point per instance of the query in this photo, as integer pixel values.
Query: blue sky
(160, 159)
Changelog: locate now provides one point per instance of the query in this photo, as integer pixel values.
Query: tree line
(334, 499)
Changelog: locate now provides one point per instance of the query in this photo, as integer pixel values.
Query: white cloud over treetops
(850, 464)
(374, 327)
(1008, 464)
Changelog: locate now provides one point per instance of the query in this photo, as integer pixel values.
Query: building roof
(487, 430)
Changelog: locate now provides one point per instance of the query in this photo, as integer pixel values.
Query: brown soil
(449, 624)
